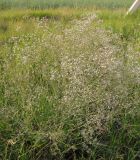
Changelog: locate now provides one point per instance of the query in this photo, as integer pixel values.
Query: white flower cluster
(79, 70)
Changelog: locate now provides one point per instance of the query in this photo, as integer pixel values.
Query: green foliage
(118, 22)
(15, 22)
(69, 85)
(61, 3)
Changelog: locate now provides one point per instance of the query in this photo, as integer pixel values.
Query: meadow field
(69, 80)
(41, 4)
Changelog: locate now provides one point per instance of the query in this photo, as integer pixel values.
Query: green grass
(118, 22)
(69, 84)
(16, 22)
(61, 3)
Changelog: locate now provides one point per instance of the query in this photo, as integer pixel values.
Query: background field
(63, 3)
(69, 80)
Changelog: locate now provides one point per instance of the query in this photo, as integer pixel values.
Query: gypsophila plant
(61, 87)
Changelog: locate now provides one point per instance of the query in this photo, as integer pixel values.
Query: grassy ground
(70, 84)
(14, 22)
(63, 3)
